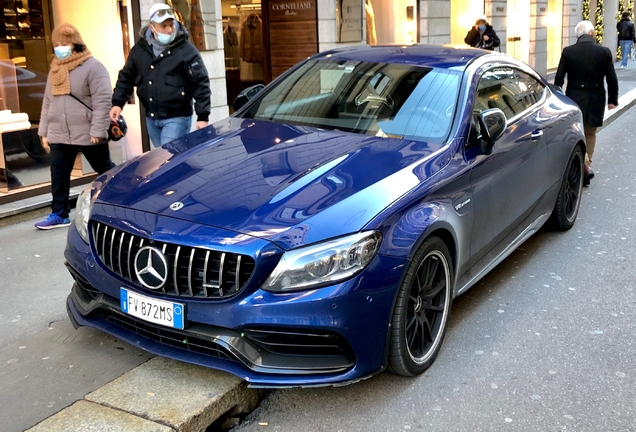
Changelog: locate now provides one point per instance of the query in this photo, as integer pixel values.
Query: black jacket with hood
(625, 29)
(167, 83)
(476, 40)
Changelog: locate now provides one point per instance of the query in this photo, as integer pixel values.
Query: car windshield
(381, 99)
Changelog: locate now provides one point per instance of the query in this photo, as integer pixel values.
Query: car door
(508, 183)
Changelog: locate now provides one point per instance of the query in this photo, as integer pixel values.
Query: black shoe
(588, 176)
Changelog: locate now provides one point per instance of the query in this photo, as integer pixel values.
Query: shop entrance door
(394, 21)
(518, 26)
(554, 22)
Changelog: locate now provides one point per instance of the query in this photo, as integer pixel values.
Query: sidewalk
(167, 395)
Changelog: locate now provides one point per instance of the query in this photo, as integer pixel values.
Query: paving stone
(184, 396)
(88, 416)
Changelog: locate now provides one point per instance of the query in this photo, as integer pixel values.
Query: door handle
(536, 135)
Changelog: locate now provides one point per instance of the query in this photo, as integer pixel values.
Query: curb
(161, 395)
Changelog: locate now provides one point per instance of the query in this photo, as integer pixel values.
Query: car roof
(440, 56)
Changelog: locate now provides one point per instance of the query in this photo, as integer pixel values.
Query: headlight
(324, 263)
(83, 212)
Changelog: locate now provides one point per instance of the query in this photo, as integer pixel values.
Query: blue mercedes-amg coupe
(319, 235)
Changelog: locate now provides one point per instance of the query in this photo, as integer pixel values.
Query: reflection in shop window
(25, 55)
(199, 18)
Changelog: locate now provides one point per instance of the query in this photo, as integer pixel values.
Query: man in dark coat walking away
(626, 36)
(169, 73)
(587, 64)
(482, 35)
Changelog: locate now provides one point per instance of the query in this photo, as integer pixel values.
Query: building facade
(247, 42)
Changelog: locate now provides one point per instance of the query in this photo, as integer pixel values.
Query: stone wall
(327, 31)
(496, 11)
(538, 58)
(435, 21)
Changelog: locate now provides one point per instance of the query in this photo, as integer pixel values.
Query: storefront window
(24, 65)
(244, 46)
(199, 18)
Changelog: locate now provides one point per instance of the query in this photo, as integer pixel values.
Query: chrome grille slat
(237, 275)
(104, 243)
(117, 249)
(190, 272)
(131, 275)
(221, 272)
(121, 246)
(205, 273)
(112, 242)
(176, 270)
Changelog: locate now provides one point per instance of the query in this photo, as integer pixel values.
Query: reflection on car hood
(291, 185)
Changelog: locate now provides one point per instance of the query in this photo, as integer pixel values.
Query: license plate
(152, 310)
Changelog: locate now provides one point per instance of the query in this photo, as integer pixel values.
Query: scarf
(157, 48)
(60, 81)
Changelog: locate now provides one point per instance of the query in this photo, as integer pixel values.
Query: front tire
(422, 308)
(567, 205)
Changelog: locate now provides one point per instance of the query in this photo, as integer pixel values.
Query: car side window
(509, 89)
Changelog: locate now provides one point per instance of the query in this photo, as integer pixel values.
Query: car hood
(288, 184)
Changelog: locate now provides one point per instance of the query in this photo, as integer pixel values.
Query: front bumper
(330, 335)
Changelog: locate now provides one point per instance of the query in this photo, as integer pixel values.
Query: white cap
(481, 17)
(161, 17)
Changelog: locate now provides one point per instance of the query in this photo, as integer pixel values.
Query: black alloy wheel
(566, 208)
(421, 310)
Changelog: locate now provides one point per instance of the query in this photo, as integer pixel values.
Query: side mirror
(492, 123)
(245, 96)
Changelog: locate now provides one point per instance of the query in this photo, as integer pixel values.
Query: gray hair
(583, 28)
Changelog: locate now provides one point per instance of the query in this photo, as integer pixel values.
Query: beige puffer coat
(66, 121)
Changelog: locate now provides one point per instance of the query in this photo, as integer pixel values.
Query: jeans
(626, 49)
(162, 131)
(62, 161)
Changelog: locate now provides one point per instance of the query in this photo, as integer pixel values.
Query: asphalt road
(45, 364)
(546, 342)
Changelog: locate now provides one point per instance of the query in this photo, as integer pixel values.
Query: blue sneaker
(53, 221)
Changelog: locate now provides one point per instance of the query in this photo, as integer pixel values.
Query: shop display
(21, 19)
(24, 65)
(231, 43)
(199, 18)
(243, 45)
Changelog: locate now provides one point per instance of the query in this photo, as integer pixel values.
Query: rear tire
(421, 310)
(567, 205)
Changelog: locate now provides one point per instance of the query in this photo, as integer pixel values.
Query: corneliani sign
(291, 6)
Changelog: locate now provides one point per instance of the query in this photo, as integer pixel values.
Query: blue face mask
(482, 27)
(165, 39)
(62, 52)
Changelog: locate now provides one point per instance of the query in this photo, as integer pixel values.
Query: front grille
(192, 272)
(165, 336)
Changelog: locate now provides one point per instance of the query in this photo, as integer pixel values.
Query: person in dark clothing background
(169, 73)
(587, 65)
(626, 36)
(482, 35)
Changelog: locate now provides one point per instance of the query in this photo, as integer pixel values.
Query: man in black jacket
(169, 73)
(587, 65)
(625, 29)
(482, 35)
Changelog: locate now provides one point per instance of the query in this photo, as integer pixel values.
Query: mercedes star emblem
(151, 267)
(176, 206)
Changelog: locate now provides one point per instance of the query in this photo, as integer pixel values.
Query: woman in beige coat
(68, 126)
